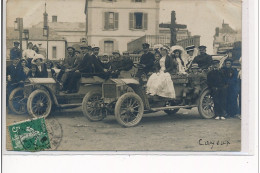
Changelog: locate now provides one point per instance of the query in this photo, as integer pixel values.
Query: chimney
(54, 19)
(217, 31)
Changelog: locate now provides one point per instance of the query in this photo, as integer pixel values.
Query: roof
(34, 34)
(226, 29)
(64, 26)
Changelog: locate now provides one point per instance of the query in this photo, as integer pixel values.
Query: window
(138, 20)
(108, 47)
(111, 21)
(54, 52)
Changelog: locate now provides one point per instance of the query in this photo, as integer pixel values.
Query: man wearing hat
(15, 52)
(190, 57)
(217, 84)
(203, 60)
(146, 61)
(29, 54)
(120, 63)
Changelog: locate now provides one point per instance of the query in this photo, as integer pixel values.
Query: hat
(16, 42)
(146, 45)
(116, 52)
(95, 48)
(228, 59)
(177, 50)
(30, 43)
(77, 51)
(164, 48)
(202, 47)
(105, 54)
(38, 56)
(70, 47)
(194, 66)
(190, 48)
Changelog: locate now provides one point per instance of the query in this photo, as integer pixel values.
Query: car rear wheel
(206, 105)
(129, 110)
(17, 102)
(39, 104)
(92, 106)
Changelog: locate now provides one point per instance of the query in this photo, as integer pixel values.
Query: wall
(123, 35)
(72, 36)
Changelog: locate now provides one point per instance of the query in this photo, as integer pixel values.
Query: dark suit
(43, 73)
(146, 59)
(203, 60)
(217, 84)
(15, 53)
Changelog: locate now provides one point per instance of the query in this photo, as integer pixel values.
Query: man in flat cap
(15, 52)
(218, 87)
(146, 61)
(203, 60)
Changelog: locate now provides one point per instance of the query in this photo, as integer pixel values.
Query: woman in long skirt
(160, 82)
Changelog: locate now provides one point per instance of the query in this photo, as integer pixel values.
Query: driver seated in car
(120, 65)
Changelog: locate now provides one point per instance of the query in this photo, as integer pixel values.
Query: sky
(200, 16)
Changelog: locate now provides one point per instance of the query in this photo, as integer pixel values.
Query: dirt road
(185, 131)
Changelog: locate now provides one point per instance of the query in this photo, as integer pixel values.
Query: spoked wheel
(92, 106)
(39, 104)
(17, 102)
(206, 105)
(129, 109)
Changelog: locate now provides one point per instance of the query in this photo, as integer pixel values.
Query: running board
(69, 105)
(172, 107)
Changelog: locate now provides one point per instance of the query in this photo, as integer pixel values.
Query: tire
(134, 109)
(39, 104)
(16, 101)
(206, 105)
(172, 111)
(92, 106)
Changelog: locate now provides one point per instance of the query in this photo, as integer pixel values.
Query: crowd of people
(159, 65)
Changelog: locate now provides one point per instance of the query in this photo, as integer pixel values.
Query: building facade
(225, 37)
(111, 24)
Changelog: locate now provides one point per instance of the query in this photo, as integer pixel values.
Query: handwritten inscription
(212, 143)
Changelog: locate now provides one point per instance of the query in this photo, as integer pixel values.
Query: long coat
(15, 53)
(203, 60)
(231, 76)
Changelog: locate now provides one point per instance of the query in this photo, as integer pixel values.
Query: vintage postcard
(123, 75)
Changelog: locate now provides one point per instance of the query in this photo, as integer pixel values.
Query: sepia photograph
(123, 75)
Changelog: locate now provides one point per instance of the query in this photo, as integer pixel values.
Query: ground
(185, 131)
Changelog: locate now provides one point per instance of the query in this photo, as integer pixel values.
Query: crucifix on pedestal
(173, 26)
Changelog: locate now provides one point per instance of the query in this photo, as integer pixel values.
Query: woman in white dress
(177, 56)
(160, 82)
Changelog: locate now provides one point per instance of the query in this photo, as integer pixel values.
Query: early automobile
(44, 95)
(128, 101)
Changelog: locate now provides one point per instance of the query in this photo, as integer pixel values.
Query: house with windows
(73, 32)
(111, 24)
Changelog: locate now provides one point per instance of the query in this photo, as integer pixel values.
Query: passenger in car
(38, 60)
(160, 82)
